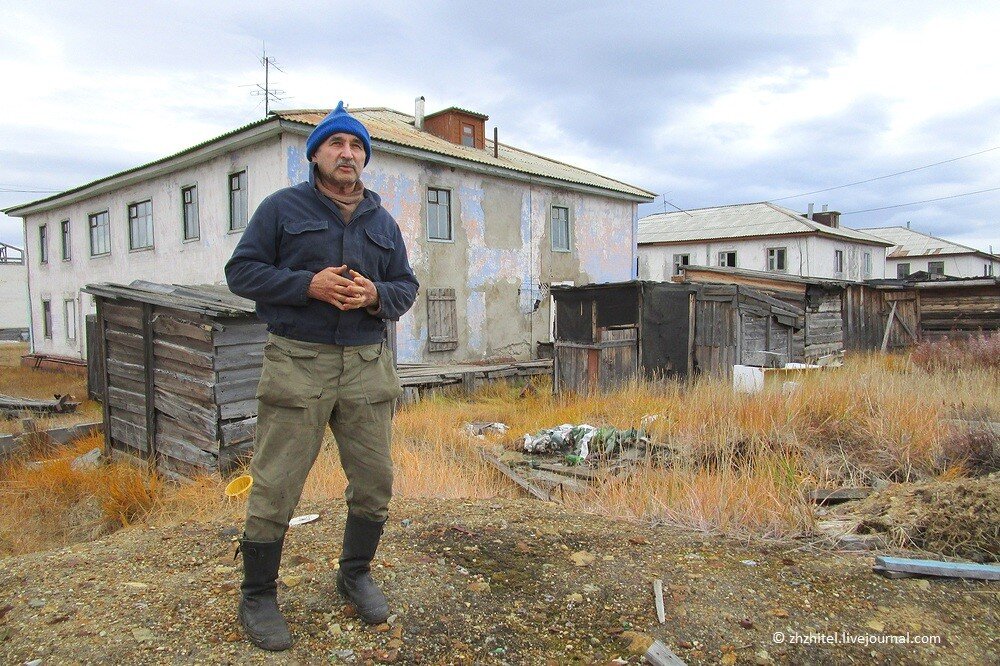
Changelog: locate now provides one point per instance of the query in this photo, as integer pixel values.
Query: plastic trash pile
(580, 442)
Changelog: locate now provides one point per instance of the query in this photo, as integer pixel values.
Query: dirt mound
(953, 518)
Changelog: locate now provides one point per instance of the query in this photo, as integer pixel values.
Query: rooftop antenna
(265, 90)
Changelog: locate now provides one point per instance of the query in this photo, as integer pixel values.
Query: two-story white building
(914, 252)
(488, 227)
(760, 237)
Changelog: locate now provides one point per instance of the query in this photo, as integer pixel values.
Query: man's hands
(343, 288)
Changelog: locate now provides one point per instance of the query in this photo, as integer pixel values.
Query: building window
(776, 259)
(560, 229)
(69, 315)
(838, 261)
(239, 205)
(468, 136)
(438, 214)
(140, 225)
(442, 321)
(189, 203)
(100, 234)
(727, 258)
(935, 267)
(681, 260)
(902, 271)
(47, 319)
(43, 244)
(867, 264)
(64, 235)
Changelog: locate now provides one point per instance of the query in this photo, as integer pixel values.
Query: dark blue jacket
(297, 232)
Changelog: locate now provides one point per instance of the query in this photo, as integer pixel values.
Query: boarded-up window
(442, 322)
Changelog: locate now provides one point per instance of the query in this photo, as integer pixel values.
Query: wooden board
(938, 568)
(196, 417)
(235, 432)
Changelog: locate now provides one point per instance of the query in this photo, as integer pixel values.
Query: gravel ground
(487, 582)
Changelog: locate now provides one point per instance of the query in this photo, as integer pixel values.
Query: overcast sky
(705, 103)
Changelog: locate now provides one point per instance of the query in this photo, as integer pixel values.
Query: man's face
(340, 159)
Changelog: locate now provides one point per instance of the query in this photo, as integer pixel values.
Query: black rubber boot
(265, 626)
(354, 580)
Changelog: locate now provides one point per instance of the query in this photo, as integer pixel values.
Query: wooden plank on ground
(837, 495)
(939, 568)
(513, 476)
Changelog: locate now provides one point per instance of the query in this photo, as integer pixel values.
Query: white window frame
(69, 316)
(838, 261)
(866, 264)
(105, 227)
(568, 247)
(47, 318)
(43, 244)
(135, 220)
(239, 200)
(932, 271)
(186, 208)
(679, 261)
(436, 206)
(776, 256)
(66, 240)
(723, 256)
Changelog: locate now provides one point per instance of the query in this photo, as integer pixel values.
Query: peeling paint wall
(499, 262)
(170, 260)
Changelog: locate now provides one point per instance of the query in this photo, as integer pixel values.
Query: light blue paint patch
(296, 165)
(408, 345)
(604, 256)
(396, 191)
(484, 266)
(472, 210)
(475, 315)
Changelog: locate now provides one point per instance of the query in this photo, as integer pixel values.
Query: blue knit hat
(338, 120)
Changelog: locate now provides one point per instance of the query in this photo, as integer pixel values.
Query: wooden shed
(180, 367)
(958, 307)
(608, 334)
(820, 300)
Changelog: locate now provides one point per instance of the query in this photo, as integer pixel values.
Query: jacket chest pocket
(306, 243)
(376, 253)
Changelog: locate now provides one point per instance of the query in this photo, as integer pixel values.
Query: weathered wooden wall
(959, 311)
(716, 322)
(180, 386)
(598, 366)
(824, 330)
(866, 316)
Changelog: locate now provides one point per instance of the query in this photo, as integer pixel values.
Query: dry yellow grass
(11, 353)
(44, 384)
(47, 502)
(739, 463)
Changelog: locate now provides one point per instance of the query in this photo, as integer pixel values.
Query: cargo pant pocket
(379, 382)
(286, 378)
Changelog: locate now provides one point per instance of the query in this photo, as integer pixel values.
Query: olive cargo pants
(304, 386)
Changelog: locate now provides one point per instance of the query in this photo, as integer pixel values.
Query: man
(326, 265)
